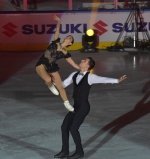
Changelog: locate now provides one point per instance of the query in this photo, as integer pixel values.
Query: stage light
(90, 32)
(90, 41)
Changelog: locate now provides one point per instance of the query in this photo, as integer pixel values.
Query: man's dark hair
(91, 63)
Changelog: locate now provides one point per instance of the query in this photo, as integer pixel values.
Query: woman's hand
(56, 18)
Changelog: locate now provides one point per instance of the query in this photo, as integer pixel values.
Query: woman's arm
(72, 63)
(56, 35)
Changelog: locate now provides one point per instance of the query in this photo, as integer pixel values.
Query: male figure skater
(82, 82)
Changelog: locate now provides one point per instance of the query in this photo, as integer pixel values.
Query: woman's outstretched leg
(58, 82)
(47, 78)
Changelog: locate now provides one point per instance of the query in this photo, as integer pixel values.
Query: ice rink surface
(117, 126)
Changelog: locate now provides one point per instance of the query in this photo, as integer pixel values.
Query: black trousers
(72, 123)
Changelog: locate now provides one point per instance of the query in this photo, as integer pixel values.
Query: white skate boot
(54, 90)
(68, 106)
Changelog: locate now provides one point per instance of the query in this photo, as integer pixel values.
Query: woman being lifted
(47, 67)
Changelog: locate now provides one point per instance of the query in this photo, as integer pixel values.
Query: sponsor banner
(33, 31)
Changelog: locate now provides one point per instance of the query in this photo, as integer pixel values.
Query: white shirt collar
(84, 72)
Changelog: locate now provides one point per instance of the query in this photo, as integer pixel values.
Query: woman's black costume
(51, 55)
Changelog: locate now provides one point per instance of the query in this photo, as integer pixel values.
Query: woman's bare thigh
(57, 79)
(43, 73)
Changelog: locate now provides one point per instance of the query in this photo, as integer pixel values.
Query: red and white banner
(35, 30)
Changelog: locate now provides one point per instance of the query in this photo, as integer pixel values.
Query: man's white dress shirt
(92, 79)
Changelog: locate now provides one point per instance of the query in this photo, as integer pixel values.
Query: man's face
(84, 63)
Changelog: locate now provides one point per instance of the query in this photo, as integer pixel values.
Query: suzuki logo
(100, 26)
(9, 29)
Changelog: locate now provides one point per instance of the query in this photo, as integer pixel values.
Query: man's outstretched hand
(122, 78)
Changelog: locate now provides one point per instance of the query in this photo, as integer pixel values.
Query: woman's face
(69, 40)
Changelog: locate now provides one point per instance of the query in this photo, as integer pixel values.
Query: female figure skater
(47, 68)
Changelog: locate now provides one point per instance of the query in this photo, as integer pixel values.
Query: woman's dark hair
(72, 40)
(91, 63)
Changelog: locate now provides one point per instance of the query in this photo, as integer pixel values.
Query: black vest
(81, 90)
